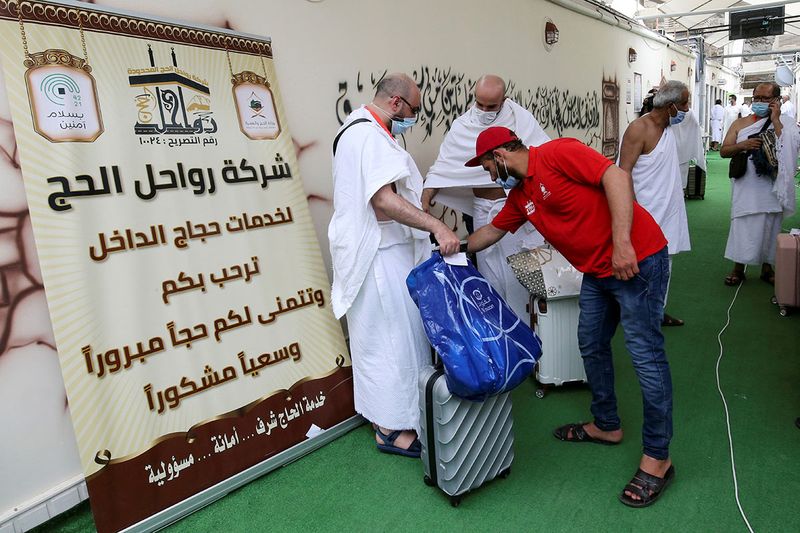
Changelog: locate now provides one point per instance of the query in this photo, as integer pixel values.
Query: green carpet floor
(556, 486)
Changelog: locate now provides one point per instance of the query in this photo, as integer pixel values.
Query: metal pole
(715, 11)
(753, 54)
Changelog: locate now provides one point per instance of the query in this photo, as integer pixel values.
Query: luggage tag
(457, 259)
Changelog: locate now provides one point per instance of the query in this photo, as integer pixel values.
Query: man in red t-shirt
(583, 205)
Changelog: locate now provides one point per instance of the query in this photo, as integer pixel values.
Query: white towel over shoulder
(448, 172)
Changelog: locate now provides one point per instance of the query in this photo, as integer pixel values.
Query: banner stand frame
(208, 496)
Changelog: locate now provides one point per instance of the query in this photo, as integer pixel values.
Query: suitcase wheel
(455, 501)
(505, 473)
(428, 481)
(784, 311)
(774, 300)
(539, 393)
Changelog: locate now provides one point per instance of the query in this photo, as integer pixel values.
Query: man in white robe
(471, 190)
(744, 111)
(760, 202)
(715, 118)
(732, 113)
(689, 138)
(787, 107)
(377, 234)
(649, 152)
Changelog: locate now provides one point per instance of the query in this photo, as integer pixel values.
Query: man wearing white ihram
(689, 138)
(732, 113)
(716, 117)
(649, 152)
(471, 191)
(761, 198)
(377, 234)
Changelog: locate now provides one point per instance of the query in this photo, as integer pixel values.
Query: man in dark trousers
(583, 205)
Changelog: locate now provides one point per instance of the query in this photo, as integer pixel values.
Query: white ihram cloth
(731, 114)
(448, 172)
(787, 108)
(492, 261)
(388, 345)
(657, 185)
(367, 158)
(717, 116)
(689, 138)
(746, 111)
(758, 204)
(371, 261)
(455, 183)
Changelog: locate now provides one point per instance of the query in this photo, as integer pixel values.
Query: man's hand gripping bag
(484, 347)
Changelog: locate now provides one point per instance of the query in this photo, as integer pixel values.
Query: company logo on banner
(256, 106)
(63, 97)
(173, 106)
(191, 350)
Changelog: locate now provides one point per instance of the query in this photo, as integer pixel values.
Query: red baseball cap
(488, 140)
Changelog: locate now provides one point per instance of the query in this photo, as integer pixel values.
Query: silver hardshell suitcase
(556, 323)
(464, 443)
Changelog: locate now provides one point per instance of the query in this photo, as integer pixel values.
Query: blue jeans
(638, 304)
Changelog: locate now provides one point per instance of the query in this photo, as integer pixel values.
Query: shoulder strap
(766, 125)
(336, 139)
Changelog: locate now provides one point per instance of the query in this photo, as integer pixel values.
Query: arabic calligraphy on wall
(446, 94)
(559, 109)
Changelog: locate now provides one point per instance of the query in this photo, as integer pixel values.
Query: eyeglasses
(414, 110)
(764, 98)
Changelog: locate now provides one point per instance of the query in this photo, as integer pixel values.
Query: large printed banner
(184, 279)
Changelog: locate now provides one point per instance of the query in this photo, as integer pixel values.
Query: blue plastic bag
(484, 347)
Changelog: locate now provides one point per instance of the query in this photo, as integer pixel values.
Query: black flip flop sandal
(578, 435)
(647, 487)
(734, 278)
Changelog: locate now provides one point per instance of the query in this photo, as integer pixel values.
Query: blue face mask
(399, 126)
(507, 182)
(677, 119)
(761, 109)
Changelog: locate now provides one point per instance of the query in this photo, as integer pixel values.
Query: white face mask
(486, 118)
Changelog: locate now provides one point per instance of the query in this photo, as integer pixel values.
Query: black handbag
(738, 164)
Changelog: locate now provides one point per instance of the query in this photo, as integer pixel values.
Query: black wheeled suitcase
(696, 185)
(464, 443)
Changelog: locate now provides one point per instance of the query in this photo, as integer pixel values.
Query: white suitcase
(556, 323)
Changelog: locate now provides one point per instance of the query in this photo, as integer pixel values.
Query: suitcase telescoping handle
(461, 248)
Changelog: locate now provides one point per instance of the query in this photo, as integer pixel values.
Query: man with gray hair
(377, 234)
(649, 152)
